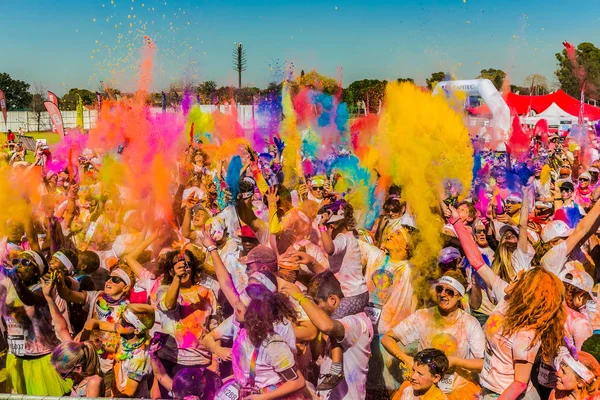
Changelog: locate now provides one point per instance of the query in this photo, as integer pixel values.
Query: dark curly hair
(166, 264)
(264, 311)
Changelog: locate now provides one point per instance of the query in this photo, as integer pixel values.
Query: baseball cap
(246, 232)
(260, 254)
(578, 278)
(555, 229)
(567, 186)
(448, 254)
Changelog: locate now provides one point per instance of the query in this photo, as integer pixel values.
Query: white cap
(576, 276)
(555, 229)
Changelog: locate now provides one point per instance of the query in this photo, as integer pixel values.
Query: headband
(266, 282)
(448, 280)
(134, 320)
(127, 215)
(580, 369)
(38, 260)
(65, 260)
(244, 298)
(123, 275)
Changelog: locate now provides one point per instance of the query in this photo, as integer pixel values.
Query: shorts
(531, 394)
(351, 305)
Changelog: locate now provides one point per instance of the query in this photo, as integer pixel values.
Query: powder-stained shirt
(230, 328)
(501, 351)
(462, 338)
(188, 323)
(345, 263)
(356, 347)
(29, 328)
(274, 356)
(137, 368)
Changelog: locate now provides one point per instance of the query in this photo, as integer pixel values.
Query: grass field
(51, 138)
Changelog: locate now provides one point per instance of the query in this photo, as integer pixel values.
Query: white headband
(65, 260)
(127, 215)
(134, 320)
(123, 275)
(38, 260)
(579, 368)
(266, 282)
(448, 280)
(244, 298)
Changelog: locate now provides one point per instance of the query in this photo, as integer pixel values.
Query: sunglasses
(511, 202)
(479, 231)
(65, 375)
(320, 188)
(23, 261)
(116, 279)
(565, 190)
(123, 322)
(440, 289)
(583, 180)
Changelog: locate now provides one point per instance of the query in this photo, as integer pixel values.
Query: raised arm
(60, 324)
(132, 257)
(68, 294)
(318, 317)
(523, 219)
(223, 276)
(585, 228)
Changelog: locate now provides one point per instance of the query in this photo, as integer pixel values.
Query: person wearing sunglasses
(103, 310)
(583, 192)
(79, 362)
(448, 328)
(30, 333)
(528, 319)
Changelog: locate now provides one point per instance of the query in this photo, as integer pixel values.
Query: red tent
(520, 105)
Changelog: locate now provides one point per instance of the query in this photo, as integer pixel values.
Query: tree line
(366, 92)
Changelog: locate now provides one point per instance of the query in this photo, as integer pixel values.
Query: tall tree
(497, 76)
(538, 82)
(588, 57)
(16, 91)
(69, 100)
(435, 78)
(371, 91)
(239, 61)
(37, 103)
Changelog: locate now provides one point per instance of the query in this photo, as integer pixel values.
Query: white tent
(554, 115)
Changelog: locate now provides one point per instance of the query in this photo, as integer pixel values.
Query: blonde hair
(502, 264)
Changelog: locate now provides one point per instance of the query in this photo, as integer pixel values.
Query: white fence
(28, 119)
(29, 122)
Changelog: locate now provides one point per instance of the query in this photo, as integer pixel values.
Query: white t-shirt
(356, 346)
(462, 338)
(230, 328)
(137, 368)
(502, 351)
(521, 260)
(345, 263)
(230, 254)
(274, 356)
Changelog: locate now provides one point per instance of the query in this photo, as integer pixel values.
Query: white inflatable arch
(486, 89)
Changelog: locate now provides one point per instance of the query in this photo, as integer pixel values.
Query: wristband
(211, 248)
(323, 228)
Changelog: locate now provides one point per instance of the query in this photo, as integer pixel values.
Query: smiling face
(115, 287)
(447, 297)
(421, 378)
(16, 231)
(566, 379)
(55, 265)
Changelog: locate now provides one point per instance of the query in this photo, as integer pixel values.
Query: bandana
(134, 320)
(448, 280)
(580, 369)
(38, 260)
(262, 278)
(59, 255)
(123, 275)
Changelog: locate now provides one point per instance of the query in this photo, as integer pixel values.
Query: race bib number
(373, 311)
(207, 283)
(16, 338)
(229, 392)
(546, 375)
(446, 383)
(90, 233)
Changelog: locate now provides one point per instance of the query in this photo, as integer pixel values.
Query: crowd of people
(258, 290)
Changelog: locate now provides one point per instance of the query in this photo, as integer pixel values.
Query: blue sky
(67, 43)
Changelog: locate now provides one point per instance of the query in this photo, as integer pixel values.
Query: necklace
(126, 350)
